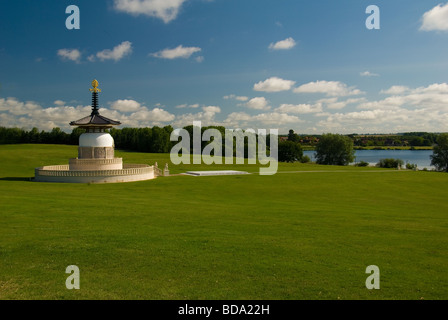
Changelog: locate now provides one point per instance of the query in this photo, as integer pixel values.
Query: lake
(419, 157)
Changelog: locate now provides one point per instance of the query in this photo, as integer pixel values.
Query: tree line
(151, 140)
(331, 149)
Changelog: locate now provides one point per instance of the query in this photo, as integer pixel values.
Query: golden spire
(95, 86)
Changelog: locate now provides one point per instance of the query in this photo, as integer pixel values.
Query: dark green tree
(390, 163)
(439, 157)
(335, 149)
(294, 137)
(289, 151)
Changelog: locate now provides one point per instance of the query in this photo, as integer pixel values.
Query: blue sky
(311, 66)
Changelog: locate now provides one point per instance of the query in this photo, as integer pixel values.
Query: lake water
(419, 157)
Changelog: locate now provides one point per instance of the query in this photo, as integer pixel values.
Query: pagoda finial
(95, 91)
(95, 86)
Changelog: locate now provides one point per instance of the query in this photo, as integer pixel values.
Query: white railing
(63, 171)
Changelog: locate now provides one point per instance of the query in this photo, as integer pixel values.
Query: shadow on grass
(16, 179)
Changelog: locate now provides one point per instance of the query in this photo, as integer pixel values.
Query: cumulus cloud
(286, 44)
(176, 53)
(258, 103)
(330, 88)
(368, 74)
(117, 53)
(207, 118)
(15, 113)
(436, 19)
(17, 107)
(167, 10)
(238, 98)
(385, 121)
(212, 109)
(59, 102)
(70, 54)
(274, 84)
(432, 97)
(395, 90)
(299, 108)
(276, 118)
(182, 106)
(333, 103)
(125, 105)
(30, 114)
(146, 117)
(236, 117)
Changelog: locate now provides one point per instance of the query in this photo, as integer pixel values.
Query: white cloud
(333, 103)
(258, 103)
(435, 19)
(199, 59)
(286, 44)
(432, 97)
(276, 118)
(435, 88)
(368, 74)
(207, 118)
(17, 107)
(182, 106)
(146, 117)
(178, 52)
(70, 54)
(395, 90)
(59, 102)
(299, 108)
(238, 98)
(117, 53)
(274, 84)
(385, 121)
(330, 88)
(235, 117)
(125, 105)
(212, 109)
(167, 10)
(14, 113)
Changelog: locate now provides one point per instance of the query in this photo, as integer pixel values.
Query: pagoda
(96, 162)
(96, 146)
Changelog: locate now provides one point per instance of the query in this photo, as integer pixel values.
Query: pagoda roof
(95, 120)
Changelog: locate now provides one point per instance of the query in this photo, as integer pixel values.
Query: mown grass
(306, 234)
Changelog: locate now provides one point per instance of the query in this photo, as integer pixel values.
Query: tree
(289, 151)
(335, 149)
(439, 157)
(390, 163)
(294, 137)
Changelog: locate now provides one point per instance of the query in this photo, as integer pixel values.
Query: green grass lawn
(297, 235)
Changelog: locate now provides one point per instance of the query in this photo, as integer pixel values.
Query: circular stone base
(61, 173)
(95, 164)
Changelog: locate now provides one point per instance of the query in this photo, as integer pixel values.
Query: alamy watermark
(73, 21)
(212, 153)
(373, 280)
(72, 281)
